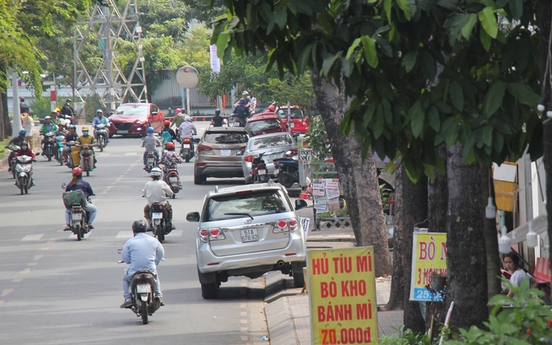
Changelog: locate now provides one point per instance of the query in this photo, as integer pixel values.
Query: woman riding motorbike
(78, 183)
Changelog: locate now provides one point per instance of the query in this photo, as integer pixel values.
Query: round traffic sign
(187, 77)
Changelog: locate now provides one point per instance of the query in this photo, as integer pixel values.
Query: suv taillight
(248, 158)
(202, 147)
(284, 225)
(211, 234)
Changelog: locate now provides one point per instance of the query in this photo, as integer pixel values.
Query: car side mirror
(192, 217)
(300, 203)
(153, 113)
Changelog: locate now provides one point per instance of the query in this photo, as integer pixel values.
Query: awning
(540, 225)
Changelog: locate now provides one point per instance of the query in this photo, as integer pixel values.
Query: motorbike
(78, 216)
(286, 170)
(171, 178)
(13, 149)
(142, 286)
(87, 158)
(101, 136)
(258, 169)
(187, 149)
(150, 161)
(59, 151)
(159, 221)
(24, 173)
(49, 145)
(235, 121)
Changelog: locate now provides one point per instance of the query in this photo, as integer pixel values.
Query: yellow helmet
(57, 110)
(85, 129)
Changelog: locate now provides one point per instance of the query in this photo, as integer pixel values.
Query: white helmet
(187, 118)
(155, 172)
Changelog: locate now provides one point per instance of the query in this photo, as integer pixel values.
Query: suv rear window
(249, 204)
(225, 138)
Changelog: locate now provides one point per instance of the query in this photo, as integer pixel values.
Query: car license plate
(143, 288)
(157, 215)
(186, 146)
(122, 131)
(262, 171)
(172, 179)
(225, 153)
(249, 235)
(76, 216)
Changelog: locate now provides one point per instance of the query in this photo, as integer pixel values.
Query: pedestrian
(517, 274)
(27, 122)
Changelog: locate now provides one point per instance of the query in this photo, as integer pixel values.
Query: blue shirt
(142, 252)
(98, 121)
(81, 184)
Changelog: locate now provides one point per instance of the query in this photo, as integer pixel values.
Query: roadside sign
(429, 256)
(187, 77)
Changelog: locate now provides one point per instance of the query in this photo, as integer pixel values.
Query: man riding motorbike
(85, 138)
(18, 140)
(170, 159)
(48, 126)
(187, 130)
(142, 252)
(242, 112)
(70, 136)
(177, 119)
(157, 190)
(78, 183)
(150, 142)
(67, 111)
(100, 120)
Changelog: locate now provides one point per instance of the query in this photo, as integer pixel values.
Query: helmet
(188, 118)
(245, 93)
(77, 171)
(271, 107)
(99, 111)
(22, 133)
(57, 110)
(139, 226)
(242, 101)
(178, 111)
(24, 146)
(217, 111)
(48, 117)
(61, 122)
(167, 123)
(68, 101)
(169, 145)
(151, 130)
(155, 172)
(85, 129)
(73, 127)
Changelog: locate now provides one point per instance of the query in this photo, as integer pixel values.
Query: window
(240, 205)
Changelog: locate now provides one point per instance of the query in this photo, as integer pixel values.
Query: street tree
(416, 75)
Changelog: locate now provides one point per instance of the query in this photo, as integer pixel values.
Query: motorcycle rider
(67, 111)
(18, 140)
(242, 112)
(168, 134)
(24, 150)
(142, 252)
(170, 159)
(100, 120)
(78, 183)
(187, 130)
(48, 126)
(150, 142)
(177, 119)
(157, 191)
(85, 138)
(70, 136)
(217, 120)
(28, 123)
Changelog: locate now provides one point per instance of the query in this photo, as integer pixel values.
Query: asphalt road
(57, 290)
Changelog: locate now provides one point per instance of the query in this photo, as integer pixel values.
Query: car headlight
(139, 122)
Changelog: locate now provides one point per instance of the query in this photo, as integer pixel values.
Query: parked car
(264, 123)
(272, 146)
(219, 153)
(135, 118)
(299, 122)
(247, 231)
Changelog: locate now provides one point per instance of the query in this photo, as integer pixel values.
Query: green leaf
(493, 98)
(388, 5)
(523, 94)
(488, 21)
(427, 64)
(352, 48)
(328, 64)
(404, 5)
(416, 115)
(468, 26)
(433, 117)
(370, 51)
(280, 16)
(409, 60)
(456, 95)
(516, 8)
(485, 39)
(488, 135)
(467, 153)
(377, 127)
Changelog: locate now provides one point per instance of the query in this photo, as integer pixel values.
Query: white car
(271, 146)
(247, 231)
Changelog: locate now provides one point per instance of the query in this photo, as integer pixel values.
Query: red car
(299, 121)
(264, 123)
(135, 118)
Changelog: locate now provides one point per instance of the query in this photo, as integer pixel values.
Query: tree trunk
(396, 297)
(357, 176)
(466, 260)
(491, 240)
(437, 196)
(6, 130)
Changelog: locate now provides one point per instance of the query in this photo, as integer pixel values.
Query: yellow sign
(429, 256)
(342, 291)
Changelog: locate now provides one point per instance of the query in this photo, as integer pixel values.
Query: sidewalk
(287, 312)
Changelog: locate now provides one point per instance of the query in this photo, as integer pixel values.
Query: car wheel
(199, 179)
(297, 272)
(209, 290)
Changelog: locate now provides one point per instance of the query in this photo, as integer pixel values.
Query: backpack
(167, 137)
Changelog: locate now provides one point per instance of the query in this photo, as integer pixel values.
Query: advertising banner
(429, 256)
(342, 291)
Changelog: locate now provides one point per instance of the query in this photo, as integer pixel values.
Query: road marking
(45, 248)
(31, 264)
(6, 291)
(38, 257)
(35, 237)
(17, 280)
(25, 271)
(131, 154)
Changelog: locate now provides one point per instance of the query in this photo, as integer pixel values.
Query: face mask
(85, 133)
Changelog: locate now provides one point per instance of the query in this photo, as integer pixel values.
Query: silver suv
(247, 231)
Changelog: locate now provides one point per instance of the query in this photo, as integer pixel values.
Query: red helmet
(178, 111)
(77, 171)
(169, 145)
(271, 107)
(167, 123)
